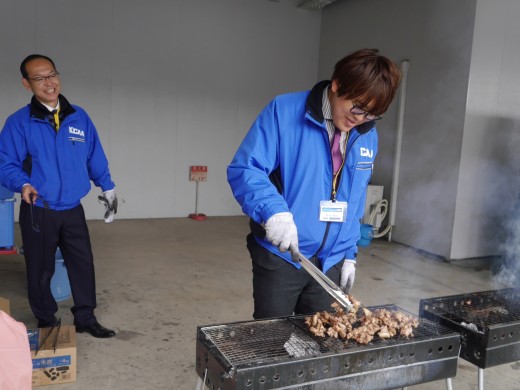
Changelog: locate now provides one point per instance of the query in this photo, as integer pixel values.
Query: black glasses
(358, 111)
(41, 79)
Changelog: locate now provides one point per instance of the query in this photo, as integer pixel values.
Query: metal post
(480, 379)
(196, 216)
(196, 196)
(448, 384)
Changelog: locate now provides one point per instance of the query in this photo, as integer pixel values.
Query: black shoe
(96, 330)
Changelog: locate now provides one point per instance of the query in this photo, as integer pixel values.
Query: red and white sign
(198, 173)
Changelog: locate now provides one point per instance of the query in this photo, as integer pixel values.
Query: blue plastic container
(366, 235)
(5, 193)
(7, 223)
(60, 285)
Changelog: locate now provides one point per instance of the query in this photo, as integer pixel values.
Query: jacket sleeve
(248, 173)
(13, 151)
(97, 163)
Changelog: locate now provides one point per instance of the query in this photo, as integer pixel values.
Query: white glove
(281, 231)
(348, 274)
(109, 198)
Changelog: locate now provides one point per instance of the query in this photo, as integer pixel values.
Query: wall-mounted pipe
(405, 66)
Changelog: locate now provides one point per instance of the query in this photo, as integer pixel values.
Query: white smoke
(507, 268)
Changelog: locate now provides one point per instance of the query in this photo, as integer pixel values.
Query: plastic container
(366, 235)
(60, 285)
(7, 223)
(5, 193)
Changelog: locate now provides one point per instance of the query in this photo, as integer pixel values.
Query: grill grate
(281, 353)
(488, 322)
(279, 339)
(483, 309)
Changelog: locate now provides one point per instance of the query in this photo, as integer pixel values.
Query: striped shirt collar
(327, 116)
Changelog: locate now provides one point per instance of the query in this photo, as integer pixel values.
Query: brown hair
(368, 78)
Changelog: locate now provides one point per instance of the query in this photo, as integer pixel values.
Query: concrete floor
(159, 279)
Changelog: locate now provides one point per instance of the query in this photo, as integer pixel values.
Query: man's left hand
(110, 200)
(348, 274)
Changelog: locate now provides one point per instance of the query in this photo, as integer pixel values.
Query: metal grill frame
(382, 364)
(495, 342)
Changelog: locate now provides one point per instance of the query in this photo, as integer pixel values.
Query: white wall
(490, 162)
(168, 83)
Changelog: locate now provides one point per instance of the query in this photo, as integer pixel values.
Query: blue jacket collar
(314, 103)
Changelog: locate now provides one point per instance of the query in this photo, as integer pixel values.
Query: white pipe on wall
(405, 66)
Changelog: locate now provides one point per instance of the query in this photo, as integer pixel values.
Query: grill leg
(448, 384)
(201, 385)
(480, 379)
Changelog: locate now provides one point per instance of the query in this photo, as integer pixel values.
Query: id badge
(333, 211)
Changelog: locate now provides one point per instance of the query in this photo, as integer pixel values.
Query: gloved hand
(348, 274)
(281, 231)
(109, 198)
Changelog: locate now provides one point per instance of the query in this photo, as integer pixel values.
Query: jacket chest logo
(366, 152)
(77, 132)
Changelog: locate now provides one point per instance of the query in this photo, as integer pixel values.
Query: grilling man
(301, 175)
(49, 152)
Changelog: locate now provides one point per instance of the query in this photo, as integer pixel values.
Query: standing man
(301, 175)
(49, 152)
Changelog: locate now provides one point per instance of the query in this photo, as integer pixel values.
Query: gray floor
(157, 280)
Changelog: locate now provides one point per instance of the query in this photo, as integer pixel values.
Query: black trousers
(280, 289)
(67, 230)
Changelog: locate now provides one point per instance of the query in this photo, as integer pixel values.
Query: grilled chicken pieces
(362, 324)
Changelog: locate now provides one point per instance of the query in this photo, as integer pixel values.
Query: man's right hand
(27, 190)
(281, 231)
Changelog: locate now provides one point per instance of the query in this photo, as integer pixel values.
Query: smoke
(507, 268)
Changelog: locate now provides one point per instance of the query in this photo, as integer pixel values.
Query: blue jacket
(60, 165)
(284, 164)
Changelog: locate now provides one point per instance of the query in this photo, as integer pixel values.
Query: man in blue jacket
(49, 152)
(301, 175)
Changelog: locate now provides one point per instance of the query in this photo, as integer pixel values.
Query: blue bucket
(60, 285)
(5, 193)
(366, 235)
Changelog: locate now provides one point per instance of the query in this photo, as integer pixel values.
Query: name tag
(333, 211)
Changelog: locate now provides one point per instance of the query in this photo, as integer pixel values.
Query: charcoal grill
(488, 322)
(281, 353)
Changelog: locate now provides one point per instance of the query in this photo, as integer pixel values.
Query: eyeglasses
(41, 79)
(358, 111)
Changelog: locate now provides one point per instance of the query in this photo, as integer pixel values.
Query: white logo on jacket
(73, 130)
(366, 152)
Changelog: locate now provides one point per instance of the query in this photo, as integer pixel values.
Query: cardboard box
(53, 367)
(4, 305)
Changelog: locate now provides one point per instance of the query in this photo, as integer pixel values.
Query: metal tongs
(34, 225)
(55, 342)
(329, 286)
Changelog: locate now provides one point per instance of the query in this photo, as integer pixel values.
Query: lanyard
(338, 173)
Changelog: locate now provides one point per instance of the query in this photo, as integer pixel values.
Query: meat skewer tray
(281, 353)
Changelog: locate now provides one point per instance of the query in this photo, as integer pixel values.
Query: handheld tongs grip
(55, 343)
(329, 286)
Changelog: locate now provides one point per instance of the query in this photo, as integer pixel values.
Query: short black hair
(31, 57)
